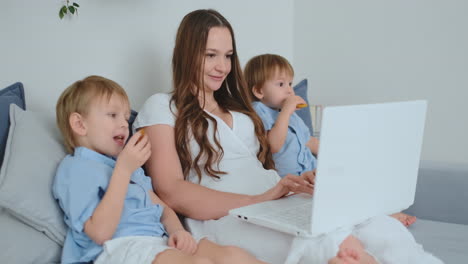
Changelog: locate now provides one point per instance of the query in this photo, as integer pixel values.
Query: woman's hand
(183, 241)
(290, 183)
(309, 176)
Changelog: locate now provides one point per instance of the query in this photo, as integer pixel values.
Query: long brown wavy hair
(192, 122)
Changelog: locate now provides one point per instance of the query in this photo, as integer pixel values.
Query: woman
(210, 155)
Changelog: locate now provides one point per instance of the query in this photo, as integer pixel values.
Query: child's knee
(352, 242)
(231, 253)
(233, 250)
(202, 260)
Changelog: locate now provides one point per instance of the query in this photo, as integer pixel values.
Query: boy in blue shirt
(109, 204)
(269, 78)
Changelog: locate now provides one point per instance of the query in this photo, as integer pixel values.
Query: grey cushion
(447, 241)
(21, 244)
(32, 154)
(441, 193)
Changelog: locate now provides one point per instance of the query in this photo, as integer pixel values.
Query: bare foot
(352, 252)
(345, 256)
(405, 219)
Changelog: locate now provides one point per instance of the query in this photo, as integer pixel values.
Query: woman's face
(218, 55)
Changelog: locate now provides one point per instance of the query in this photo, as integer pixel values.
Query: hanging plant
(68, 8)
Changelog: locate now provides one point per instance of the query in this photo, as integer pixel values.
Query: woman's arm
(194, 200)
(187, 198)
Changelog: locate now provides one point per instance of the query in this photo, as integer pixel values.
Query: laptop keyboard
(298, 215)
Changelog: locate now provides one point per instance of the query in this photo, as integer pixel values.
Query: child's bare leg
(405, 219)
(176, 256)
(224, 254)
(352, 252)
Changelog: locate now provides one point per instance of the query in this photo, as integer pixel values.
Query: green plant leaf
(64, 9)
(72, 9)
(61, 14)
(75, 4)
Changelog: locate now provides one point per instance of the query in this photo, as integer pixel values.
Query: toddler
(269, 78)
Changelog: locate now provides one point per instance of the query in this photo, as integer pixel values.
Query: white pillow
(33, 152)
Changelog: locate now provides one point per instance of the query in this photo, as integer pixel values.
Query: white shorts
(132, 249)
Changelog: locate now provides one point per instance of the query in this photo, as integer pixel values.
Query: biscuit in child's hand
(142, 132)
(301, 105)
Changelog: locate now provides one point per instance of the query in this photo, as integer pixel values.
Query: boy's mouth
(120, 140)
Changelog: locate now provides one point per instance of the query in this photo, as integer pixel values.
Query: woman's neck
(208, 102)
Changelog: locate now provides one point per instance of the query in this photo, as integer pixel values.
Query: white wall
(357, 51)
(128, 41)
(367, 51)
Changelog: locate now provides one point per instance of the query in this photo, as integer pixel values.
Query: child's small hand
(135, 153)
(183, 241)
(290, 104)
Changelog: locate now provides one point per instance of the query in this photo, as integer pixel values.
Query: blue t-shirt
(79, 185)
(294, 156)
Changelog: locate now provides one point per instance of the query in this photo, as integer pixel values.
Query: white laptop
(367, 165)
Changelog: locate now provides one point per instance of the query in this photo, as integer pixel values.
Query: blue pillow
(13, 94)
(133, 115)
(304, 113)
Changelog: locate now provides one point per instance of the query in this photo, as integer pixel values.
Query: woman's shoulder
(158, 99)
(155, 110)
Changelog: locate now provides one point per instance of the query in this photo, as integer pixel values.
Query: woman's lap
(264, 243)
(383, 237)
(389, 241)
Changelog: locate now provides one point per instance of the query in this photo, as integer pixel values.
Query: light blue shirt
(79, 185)
(294, 156)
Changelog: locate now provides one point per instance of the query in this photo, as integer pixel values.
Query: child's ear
(77, 124)
(257, 92)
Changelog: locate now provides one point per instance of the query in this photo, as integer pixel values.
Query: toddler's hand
(290, 104)
(135, 153)
(183, 240)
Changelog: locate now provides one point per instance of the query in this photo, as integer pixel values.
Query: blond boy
(109, 204)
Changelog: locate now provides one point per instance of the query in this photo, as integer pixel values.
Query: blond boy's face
(106, 125)
(276, 89)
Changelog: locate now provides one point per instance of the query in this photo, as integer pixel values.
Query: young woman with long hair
(210, 155)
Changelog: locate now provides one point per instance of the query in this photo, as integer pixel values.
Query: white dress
(384, 237)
